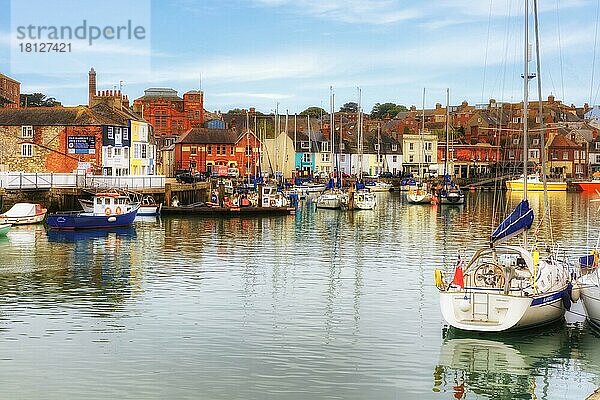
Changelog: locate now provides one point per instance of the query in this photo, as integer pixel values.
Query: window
(209, 151)
(306, 157)
(428, 158)
(118, 152)
(110, 133)
(118, 137)
(325, 157)
(428, 145)
(394, 158)
(126, 133)
(144, 151)
(411, 158)
(576, 155)
(597, 145)
(126, 153)
(304, 145)
(161, 119)
(325, 147)
(511, 155)
(232, 150)
(342, 158)
(554, 155)
(26, 150)
(377, 146)
(536, 142)
(411, 146)
(380, 158)
(136, 150)
(565, 155)
(218, 150)
(27, 132)
(109, 152)
(342, 146)
(193, 150)
(248, 150)
(515, 141)
(534, 153)
(394, 147)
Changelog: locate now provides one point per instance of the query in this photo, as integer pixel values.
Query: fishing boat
(536, 184)
(110, 210)
(24, 213)
(450, 193)
(4, 228)
(503, 286)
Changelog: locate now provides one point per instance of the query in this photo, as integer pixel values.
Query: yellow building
(142, 152)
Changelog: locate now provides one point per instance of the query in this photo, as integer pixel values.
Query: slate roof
(208, 136)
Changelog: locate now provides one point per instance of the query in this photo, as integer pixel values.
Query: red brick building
(201, 149)
(10, 92)
(170, 115)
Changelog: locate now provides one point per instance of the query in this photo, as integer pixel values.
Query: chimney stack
(91, 85)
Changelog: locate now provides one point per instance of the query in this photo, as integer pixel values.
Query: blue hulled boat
(110, 210)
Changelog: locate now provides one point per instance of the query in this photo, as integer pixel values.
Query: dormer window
(394, 147)
(377, 146)
(304, 145)
(27, 132)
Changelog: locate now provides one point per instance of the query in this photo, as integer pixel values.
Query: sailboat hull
(492, 311)
(590, 296)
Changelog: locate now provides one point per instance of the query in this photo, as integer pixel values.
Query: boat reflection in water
(514, 366)
(89, 234)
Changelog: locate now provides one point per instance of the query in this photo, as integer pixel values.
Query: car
(386, 174)
(185, 176)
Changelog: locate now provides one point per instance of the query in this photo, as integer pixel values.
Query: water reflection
(519, 365)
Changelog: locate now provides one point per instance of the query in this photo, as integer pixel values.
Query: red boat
(588, 186)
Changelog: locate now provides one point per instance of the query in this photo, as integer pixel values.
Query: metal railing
(48, 180)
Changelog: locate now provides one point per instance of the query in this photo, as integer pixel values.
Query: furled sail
(519, 220)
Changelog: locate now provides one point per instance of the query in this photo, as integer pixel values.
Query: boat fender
(566, 296)
(112, 219)
(536, 257)
(575, 293)
(439, 279)
(118, 210)
(107, 211)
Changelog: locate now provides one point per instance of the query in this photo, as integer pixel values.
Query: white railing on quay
(48, 180)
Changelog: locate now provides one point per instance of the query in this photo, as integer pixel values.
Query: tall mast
(309, 143)
(359, 132)
(447, 133)
(332, 127)
(421, 144)
(378, 147)
(295, 137)
(525, 105)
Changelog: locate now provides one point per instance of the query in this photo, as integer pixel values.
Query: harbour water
(321, 305)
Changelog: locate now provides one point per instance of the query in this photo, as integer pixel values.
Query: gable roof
(53, 116)
(563, 141)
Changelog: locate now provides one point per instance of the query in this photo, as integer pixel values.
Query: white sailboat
(419, 193)
(505, 287)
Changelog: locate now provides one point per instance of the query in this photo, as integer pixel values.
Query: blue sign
(81, 144)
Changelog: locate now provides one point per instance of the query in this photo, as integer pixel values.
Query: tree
(314, 112)
(38, 100)
(350, 107)
(386, 110)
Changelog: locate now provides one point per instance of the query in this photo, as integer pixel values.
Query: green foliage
(314, 112)
(350, 107)
(386, 110)
(38, 100)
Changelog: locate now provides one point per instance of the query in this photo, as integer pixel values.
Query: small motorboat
(24, 213)
(4, 228)
(149, 207)
(330, 199)
(419, 194)
(110, 210)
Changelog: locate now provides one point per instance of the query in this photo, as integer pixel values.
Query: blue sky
(256, 53)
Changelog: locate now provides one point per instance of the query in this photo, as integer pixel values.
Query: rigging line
(592, 100)
(487, 46)
(562, 79)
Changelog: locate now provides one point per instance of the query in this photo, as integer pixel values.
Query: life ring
(107, 211)
(118, 210)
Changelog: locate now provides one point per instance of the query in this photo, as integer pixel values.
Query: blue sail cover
(519, 220)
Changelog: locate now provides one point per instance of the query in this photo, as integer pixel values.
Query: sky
(286, 54)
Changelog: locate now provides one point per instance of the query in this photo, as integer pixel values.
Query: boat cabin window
(98, 200)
